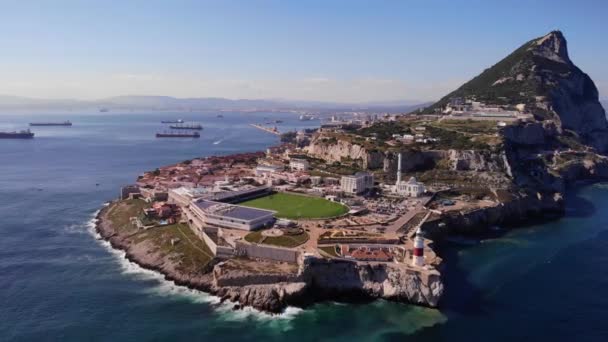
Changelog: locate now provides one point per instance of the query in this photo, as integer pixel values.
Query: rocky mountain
(541, 75)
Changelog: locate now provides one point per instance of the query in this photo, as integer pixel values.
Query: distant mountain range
(168, 103)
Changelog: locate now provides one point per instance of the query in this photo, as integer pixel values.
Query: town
(358, 190)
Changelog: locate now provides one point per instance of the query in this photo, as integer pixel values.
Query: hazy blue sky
(314, 50)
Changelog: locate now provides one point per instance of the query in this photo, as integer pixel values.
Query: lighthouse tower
(418, 259)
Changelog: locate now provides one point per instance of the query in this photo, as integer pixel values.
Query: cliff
(541, 76)
(393, 282)
(413, 160)
(270, 286)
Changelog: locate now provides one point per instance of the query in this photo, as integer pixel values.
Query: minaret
(418, 259)
(398, 169)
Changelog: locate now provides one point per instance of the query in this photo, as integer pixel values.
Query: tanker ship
(196, 127)
(17, 135)
(178, 135)
(65, 123)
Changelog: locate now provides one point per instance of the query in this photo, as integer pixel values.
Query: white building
(358, 183)
(411, 188)
(299, 164)
(265, 169)
(223, 215)
(184, 195)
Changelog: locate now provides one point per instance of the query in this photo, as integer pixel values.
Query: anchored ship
(178, 135)
(190, 127)
(65, 123)
(307, 117)
(26, 134)
(178, 121)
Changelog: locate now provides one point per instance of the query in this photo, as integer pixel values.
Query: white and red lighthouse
(418, 259)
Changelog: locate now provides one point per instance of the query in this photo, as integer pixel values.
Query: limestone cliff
(338, 150)
(541, 76)
(382, 280)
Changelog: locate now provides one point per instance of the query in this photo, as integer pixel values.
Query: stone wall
(254, 251)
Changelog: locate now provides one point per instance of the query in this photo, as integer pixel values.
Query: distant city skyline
(334, 51)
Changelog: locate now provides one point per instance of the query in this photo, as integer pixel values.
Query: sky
(339, 51)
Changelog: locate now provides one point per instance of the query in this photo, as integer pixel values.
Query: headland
(352, 210)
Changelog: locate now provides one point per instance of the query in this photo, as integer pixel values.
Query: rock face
(516, 211)
(336, 151)
(272, 291)
(470, 160)
(340, 150)
(336, 278)
(572, 94)
(541, 76)
(525, 134)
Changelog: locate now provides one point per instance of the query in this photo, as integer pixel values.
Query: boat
(306, 117)
(65, 123)
(220, 116)
(190, 127)
(278, 121)
(172, 121)
(26, 134)
(178, 135)
(103, 110)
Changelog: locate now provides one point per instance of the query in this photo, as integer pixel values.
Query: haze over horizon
(344, 52)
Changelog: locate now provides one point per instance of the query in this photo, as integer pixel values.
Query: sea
(60, 282)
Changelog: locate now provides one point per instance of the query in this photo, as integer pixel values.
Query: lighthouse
(418, 259)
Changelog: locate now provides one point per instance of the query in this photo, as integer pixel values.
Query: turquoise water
(59, 283)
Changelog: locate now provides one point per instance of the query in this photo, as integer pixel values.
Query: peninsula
(353, 208)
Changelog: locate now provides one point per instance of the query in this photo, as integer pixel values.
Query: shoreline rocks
(316, 280)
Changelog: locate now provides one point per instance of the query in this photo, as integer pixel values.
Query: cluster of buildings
(459, 107)
(206, 194)
(419, 135)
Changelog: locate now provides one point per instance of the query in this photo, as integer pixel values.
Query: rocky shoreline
(315, 280)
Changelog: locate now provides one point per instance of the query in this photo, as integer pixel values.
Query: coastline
(261, 297)
(317, 281)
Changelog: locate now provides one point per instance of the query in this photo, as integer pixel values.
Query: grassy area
(330, 250)
(191, 252)
(286, 240)
(121, 212)
(298, 207)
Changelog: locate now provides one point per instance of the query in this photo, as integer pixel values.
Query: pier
(273, 130)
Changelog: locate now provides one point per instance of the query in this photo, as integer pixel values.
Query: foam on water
(167, 288)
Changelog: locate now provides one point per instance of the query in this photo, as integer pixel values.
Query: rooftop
(233, 211)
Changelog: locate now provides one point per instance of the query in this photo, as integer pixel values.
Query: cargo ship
(17, 135)
(65, 123)
(190, 127)
(178, 121)
(178, 135)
